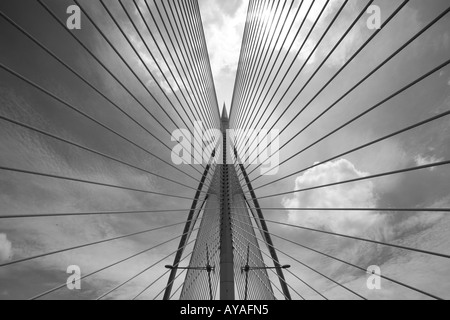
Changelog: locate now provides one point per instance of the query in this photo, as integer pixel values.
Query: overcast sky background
(224, 23)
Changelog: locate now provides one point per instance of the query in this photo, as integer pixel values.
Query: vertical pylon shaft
(226, 241)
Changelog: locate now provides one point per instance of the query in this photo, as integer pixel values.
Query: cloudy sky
(224, 24)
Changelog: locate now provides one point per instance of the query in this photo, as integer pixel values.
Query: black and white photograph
(211, 151)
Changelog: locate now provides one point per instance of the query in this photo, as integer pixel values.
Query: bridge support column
(226, 241)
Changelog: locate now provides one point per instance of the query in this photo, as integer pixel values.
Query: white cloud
(224, 36)
(361, 194)
(424, 231)
(224, 23)
(5, 248)
(423, 160)
(356, 195)
(315, 10)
